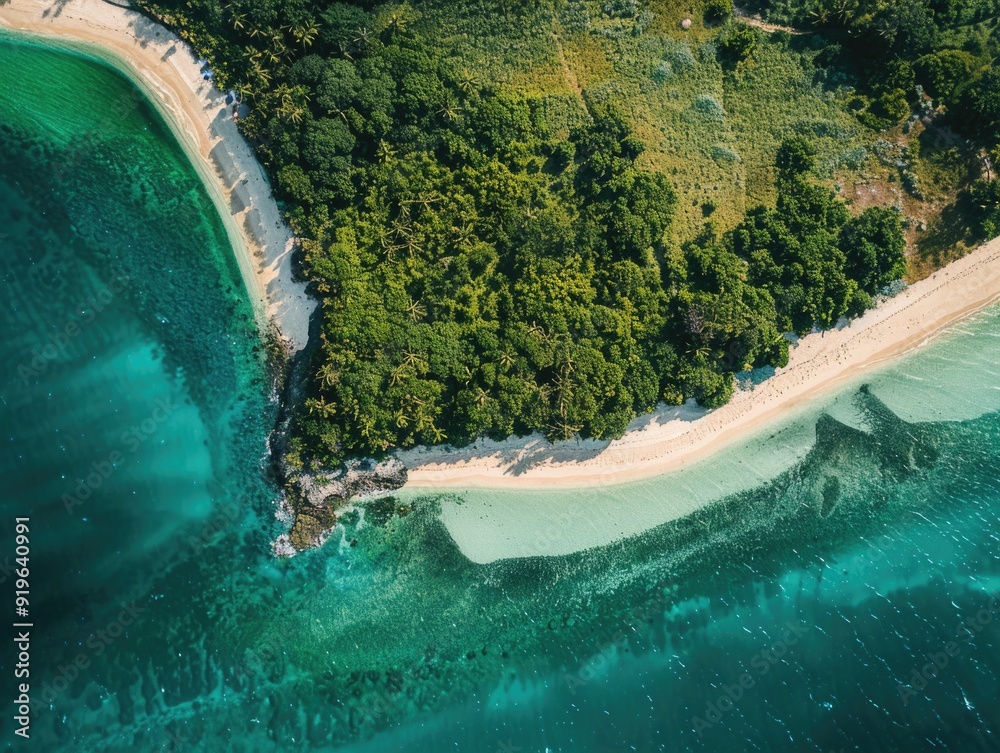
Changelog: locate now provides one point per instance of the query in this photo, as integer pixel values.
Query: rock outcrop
(314, 499)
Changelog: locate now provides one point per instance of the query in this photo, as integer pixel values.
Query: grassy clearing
(714, 129)
(715, 132)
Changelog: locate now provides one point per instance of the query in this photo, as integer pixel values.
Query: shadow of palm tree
(55, 10)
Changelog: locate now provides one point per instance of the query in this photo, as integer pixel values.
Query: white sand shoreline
(668, 440)
(672, 439)
(166, 69)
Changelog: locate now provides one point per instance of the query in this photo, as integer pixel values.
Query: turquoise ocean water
(847, 604)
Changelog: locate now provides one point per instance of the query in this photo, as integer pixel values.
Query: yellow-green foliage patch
(713, 130)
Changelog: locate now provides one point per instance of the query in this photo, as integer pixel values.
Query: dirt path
(760, 23)
(571, 80)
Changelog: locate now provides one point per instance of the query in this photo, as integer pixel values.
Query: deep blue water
(846, 605)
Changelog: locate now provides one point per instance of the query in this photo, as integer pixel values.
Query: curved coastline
(668, 440)
(164, 68)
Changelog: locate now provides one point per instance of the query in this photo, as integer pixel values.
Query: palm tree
(291, 106)
(401, 229)
(450, 111)
(263, 74)
(564, 389)
(385, 152)
(565, 430)
(416, 310)
(397, 24)
(462, 234)
(344, 48)
(342, 114)
(363, 36)
(321, 406)
(386, 238)
(260, 72)
(245, 90)
(506, 360)
(398, 374)
(845, 11)
(238, 20)
(701, 351)
(292, 112)
(412, 245)
(415, 360)
(304, 32)
(327, 374)
(820, 16)
(424, 421)
(274, 53)
(565, 358)
(414, 400)
(468, 83)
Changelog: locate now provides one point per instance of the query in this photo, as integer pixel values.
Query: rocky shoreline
(314, 498)
(313, 501)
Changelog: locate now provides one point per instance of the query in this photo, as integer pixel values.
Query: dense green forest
(494, 259)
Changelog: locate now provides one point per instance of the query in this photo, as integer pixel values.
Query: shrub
(892, 107)
(621, 8)
(738, 43)
(854, 158)
(664, 72)
(796, 156)
(983, 105)
(985, 196)
(680, 57)
(575, 17)
(706, 104)
(642, 22)
(724, 154)
(946, 73)
(827, 129)
(717, 11)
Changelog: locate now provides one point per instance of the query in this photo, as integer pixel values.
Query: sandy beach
(668, 440)
(672, 439)
(167, 70)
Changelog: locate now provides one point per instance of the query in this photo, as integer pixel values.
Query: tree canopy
(485, 272)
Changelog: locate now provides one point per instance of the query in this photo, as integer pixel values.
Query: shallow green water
(822, 590)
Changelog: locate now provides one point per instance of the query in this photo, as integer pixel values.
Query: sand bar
(165, 67)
